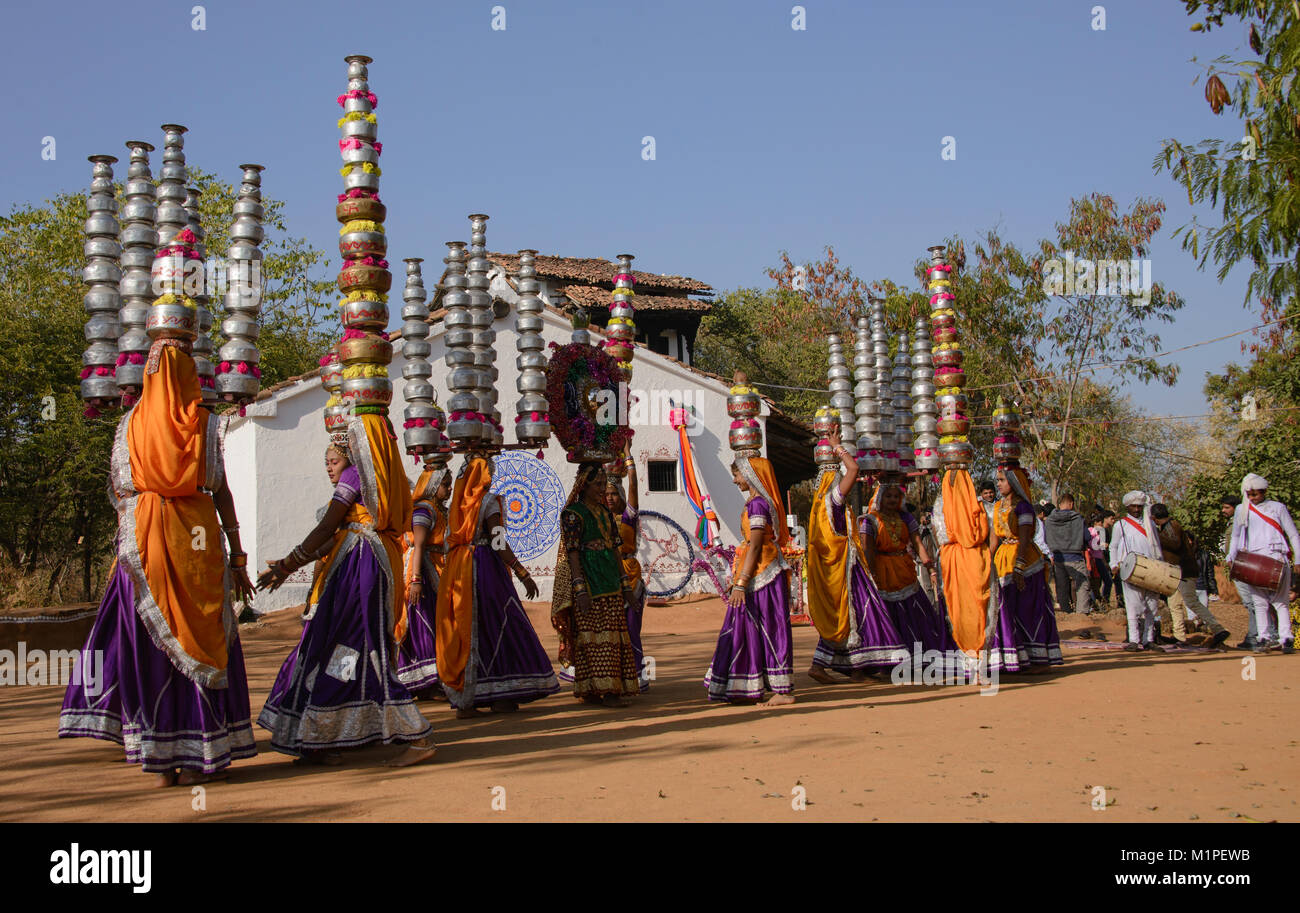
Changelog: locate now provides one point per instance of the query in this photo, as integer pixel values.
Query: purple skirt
(140, 701)
(417, 654)
(755, 651)
(881, 646)
(339, 688)
(1026, 632)
(635, 616)
(918, 622)
(507, 659)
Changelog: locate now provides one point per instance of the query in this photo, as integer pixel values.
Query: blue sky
(766, 138)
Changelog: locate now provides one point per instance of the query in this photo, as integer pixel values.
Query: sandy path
(1172, 738)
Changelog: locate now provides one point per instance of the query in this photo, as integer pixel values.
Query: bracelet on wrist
(238, 559)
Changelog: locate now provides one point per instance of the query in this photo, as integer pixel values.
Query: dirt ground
(1175, 737)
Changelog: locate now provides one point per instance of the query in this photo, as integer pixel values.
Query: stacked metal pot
(955, 449)
(825, 421)
(867, 423)
(177, 272)
(139, 241)
(902, 415)
(465, 426)
(424, 419)
(620, 331)
(198, 287)
(925, 413)
(838, 376)
(364, 352)
(102, 275)
(238, 374)
(884, 389)
(745, 434)
(532, 416)
(1006, 433)
(483, 341)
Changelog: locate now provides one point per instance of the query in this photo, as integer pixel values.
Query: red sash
(1137, 526)
(1271, 522)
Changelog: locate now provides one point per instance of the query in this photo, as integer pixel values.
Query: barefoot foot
(415, 753)
(165, 779)
(819, 674)
(780, 700)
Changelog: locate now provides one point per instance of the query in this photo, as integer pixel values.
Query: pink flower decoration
(121, 358)
(243, 411)
(91, 412)
(137, 358)
(104, 372)
(223, 368)
(86, 372)
(243, 367)
(379, 148)
(187, 236)
(257, 372)
(127, 400)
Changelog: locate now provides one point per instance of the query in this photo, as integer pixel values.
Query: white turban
(1253, 482)
(1134, 497)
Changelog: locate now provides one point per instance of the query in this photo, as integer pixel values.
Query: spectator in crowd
(1066, 537)
(1099, 578)
(988, 494)
(1108, 519)
(1228, 508)
(1179, 549)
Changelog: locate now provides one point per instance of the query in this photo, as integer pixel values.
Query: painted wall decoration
(666, 554)
(533, 499)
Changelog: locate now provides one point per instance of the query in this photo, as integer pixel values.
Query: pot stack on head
(239, 374)
(197, 285)
(949, 377)
(579, 319)
(363, 351)
(1006, 433)
(532, 415)
(620, 331)
(424, 419)
(464, 425)
(177, 269)
(102, 276)
(838, 376)
(139, 241)
(745, 435)
(902, 386)
(483, 342)
(824, 422)
(884, 389)
(867, 424)
(925, 413)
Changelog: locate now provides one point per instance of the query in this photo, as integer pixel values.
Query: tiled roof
(597, 271)
(591, 297)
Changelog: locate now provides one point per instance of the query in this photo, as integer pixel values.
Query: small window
(663, 475)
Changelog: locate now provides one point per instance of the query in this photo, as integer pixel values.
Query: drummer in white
(1264, 526)
(1136, 533)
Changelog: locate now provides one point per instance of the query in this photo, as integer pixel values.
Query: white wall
(276, 465)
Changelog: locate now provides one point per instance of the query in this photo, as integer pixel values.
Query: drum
(1257, 570)
(1150, 574)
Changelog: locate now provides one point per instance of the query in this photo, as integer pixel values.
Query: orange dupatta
(830, 596)
(454, 619)
(965, 560)
(386, 496)
(174, 550)
(759, 470)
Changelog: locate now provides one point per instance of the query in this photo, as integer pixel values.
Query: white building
(275, 453)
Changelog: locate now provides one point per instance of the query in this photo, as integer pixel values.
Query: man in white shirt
(1264, 527)
(1135, 533)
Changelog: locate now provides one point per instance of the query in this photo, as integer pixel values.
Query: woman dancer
(589, 606)
(172, 689)
(755, 651)
(625, 510)
(857, 634)
(1025, 635)
(888, 530)
(488, 651)
(339, 687)
(417, 664)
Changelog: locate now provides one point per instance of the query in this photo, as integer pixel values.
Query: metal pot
(356, 244)
(368, 349)
(365, 315)
(361, 208)
(416, 347)
(743, 405)
(531, 382)
(924, 424)
(531, 432)
(417, 388)
(236, 350)
(745, 438)
(172, 320)
(417, 368)
(367, 391)
(355, 277)
(240, 386)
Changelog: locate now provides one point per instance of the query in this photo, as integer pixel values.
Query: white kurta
(1130, 536)
(1252, 533)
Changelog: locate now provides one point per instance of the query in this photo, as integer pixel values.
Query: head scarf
(761, 478)
(1148, 522)
(1134, 497)
(1253, 482)
(429, 490)
(1018, 479)
(585, 473)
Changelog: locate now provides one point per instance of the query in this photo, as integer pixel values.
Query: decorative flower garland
(365, 370)
(242, 367)
(358, 193)
(357, 115)
(353, 142)
(367, 167)
(570, 363)
(357, 93)
(361, 225)
(169, 298)
(364, 295)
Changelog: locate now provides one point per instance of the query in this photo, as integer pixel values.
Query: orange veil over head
(965, 561)
(830, 562)
(760, 475)
(455, 612)
(166, 460)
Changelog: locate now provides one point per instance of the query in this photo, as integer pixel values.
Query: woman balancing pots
(166, 625)
(857, 636)
(338, 688)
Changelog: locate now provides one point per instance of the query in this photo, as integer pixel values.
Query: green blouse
(595, 537)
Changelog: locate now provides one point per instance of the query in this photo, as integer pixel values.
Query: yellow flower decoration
(364, 295)
(624, 291)
(332, 401)
(361, 225)
(169, 298)
(935, 283)
(356, 115)
(740, 389)
(367, 167)
(355, 371)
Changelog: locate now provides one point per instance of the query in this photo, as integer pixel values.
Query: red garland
(578, 432)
